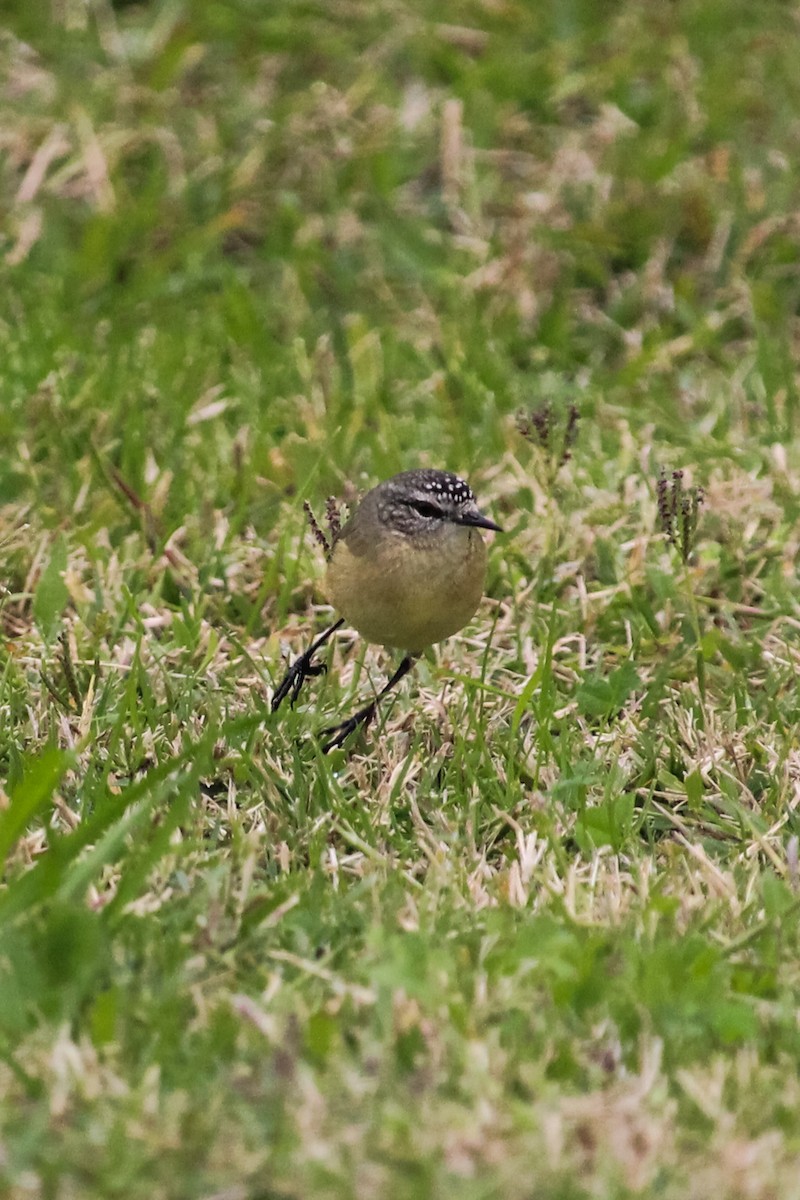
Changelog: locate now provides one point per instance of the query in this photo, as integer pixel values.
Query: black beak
(474, 517)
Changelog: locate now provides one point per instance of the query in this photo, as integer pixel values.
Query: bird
(406, 570)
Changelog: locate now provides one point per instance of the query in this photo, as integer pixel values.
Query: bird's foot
(301, 669)
(342, 731)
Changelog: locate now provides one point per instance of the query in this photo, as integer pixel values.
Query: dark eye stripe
(425, 509)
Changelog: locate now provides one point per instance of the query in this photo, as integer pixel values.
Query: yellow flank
(408, 593)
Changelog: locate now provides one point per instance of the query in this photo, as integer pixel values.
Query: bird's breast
(408, 593)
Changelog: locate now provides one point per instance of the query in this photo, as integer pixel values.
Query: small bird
(406, 570)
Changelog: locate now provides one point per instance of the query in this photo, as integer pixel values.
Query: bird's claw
(300, 670)
(343, 730)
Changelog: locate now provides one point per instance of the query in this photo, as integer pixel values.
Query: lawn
(536, 934)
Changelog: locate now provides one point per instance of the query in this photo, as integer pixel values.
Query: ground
(536, 933)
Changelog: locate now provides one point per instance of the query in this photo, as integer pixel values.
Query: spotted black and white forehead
(441, 486)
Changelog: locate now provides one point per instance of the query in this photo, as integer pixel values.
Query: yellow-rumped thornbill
(406, 570)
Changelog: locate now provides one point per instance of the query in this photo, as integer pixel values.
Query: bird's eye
(425, 509)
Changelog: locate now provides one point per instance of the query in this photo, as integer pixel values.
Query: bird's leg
(301, 668)
(365, 714)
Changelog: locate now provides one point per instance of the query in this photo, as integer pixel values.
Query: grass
(537, 934)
